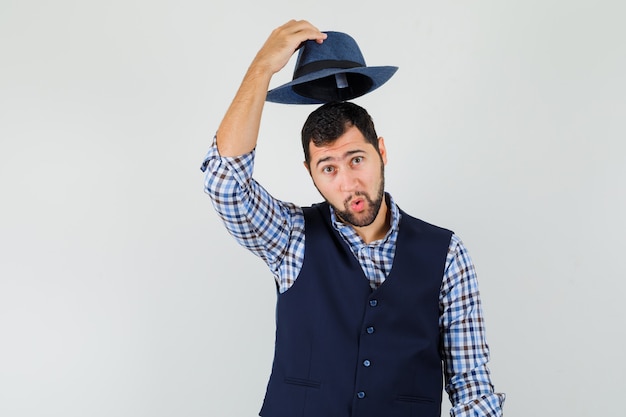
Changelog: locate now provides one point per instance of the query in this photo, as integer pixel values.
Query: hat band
(325, 64)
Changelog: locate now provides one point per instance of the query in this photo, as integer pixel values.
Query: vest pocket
(303, 382)
(413, 399)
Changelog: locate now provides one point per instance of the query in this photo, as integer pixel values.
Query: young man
(374, 305)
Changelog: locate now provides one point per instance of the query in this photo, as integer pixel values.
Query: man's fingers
(302, 30)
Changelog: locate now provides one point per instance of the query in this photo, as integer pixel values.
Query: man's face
(349, 174)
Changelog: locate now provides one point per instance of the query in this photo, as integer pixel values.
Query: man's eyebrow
(345, 155)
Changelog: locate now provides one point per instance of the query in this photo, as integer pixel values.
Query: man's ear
(307, 166)
(382, 150)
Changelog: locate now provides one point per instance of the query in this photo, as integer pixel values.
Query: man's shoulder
(407, 220)
(316, 209)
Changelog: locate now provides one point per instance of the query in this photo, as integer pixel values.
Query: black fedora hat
(334, 70)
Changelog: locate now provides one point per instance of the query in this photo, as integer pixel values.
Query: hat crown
(339, 50)
(334, 70)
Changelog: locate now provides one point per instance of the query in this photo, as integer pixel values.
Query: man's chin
(355, 219)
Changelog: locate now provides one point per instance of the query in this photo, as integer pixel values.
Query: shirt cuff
(486, 406)
(240, 167)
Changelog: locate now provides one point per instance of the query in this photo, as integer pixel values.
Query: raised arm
(238, 132)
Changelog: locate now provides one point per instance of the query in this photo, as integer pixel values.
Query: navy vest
(345, 350)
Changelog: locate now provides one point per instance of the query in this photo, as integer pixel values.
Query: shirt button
(360, 394)
(366, 363)
(373, 303)
(370, 330)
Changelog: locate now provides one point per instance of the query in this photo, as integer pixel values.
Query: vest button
(366, 363)
(360, 394)
(373, 303)
(370, 330)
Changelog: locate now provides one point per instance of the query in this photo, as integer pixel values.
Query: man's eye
(328, 170)
(357, 160)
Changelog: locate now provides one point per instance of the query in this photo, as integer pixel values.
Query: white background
(121, 294)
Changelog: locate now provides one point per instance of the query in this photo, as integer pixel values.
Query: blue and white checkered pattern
(274, 230)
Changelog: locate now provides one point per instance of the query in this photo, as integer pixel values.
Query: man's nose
(348, 181)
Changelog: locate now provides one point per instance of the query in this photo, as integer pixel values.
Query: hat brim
(285, 93)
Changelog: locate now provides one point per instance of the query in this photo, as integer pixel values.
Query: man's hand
(283, 42)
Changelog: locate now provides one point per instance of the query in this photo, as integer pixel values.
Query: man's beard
(368, 217)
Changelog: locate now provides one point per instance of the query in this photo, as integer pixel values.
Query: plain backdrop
(121, 293)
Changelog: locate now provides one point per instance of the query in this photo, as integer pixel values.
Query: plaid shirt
(274, 230)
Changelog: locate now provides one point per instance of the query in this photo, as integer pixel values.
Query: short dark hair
(328, 122)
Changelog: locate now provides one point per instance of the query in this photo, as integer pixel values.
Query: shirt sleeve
(464, 348)
(269, 228)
